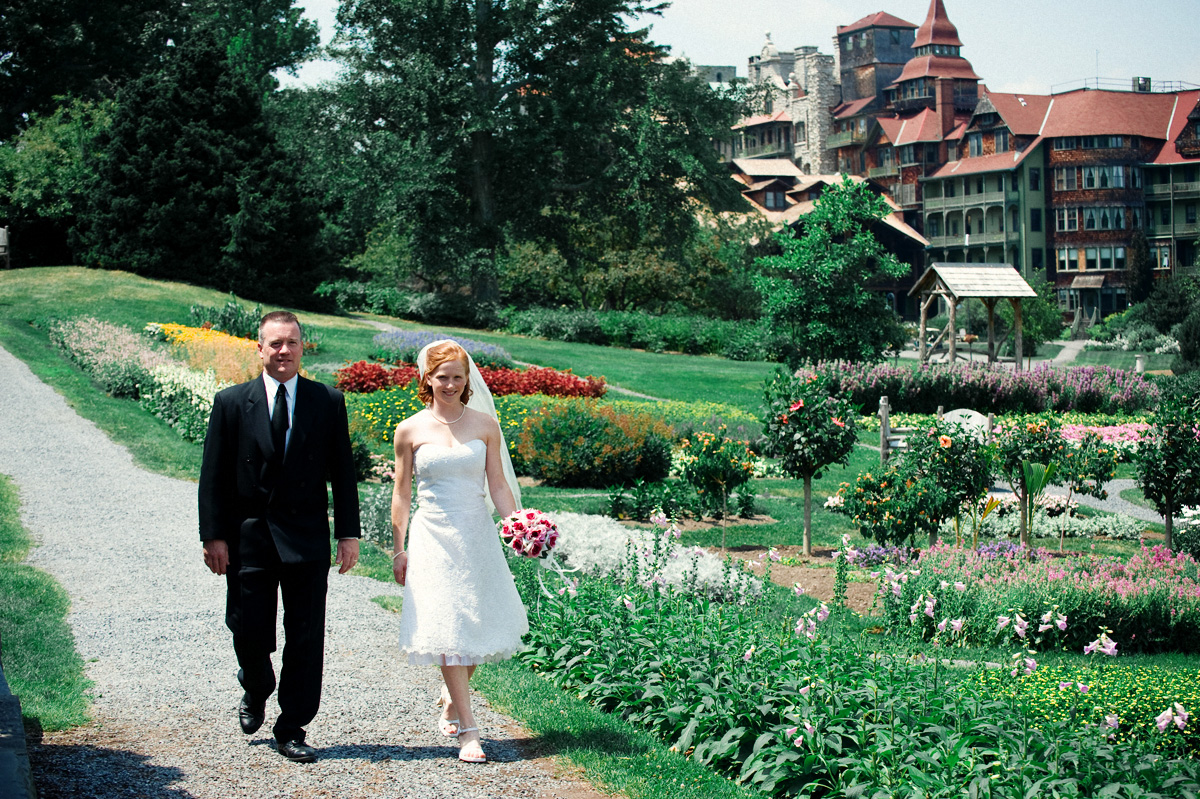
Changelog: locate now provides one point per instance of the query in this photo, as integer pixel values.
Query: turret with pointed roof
(938, 55)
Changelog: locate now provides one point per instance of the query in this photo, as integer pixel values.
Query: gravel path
(148, 621)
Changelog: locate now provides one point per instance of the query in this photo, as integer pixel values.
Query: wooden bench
(893, 438)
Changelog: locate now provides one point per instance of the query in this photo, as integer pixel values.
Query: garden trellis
(957, 282)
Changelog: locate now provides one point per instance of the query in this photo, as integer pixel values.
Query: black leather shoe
(297, 751)
(251, 715)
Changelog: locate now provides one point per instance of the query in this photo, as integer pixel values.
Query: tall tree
(190, 185)
(84, 48)
(1139, 268)
(816, 291)
(536, 114)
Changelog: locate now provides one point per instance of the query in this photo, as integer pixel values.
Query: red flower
(797, 405)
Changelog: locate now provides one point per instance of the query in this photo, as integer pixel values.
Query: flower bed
(999, 390)
(403, 346)
(233, 359)
(363, 377)
(791, 710)
(181, 397)
(118, 359)
(1149, 604)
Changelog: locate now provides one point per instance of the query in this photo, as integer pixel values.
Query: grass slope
(40, 662)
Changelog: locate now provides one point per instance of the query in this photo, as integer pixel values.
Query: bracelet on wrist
(398, 554)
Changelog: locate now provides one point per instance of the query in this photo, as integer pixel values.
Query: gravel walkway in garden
(148, 621)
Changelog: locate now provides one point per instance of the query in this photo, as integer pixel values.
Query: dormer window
(774, 200)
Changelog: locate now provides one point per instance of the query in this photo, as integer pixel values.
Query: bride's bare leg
(457, 680)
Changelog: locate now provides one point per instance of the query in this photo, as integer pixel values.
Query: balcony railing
(883, 171)
(781, 149)
(1180, 229)
(972, 240)
(970, 200)
(844, 138)
(1183, 190)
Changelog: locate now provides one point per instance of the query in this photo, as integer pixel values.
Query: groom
(272, 444)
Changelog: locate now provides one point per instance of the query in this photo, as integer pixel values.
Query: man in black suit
(272, 445)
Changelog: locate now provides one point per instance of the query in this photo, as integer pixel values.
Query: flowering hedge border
(118, 359)
(182, 398)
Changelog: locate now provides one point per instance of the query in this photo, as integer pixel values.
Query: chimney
(944, 99)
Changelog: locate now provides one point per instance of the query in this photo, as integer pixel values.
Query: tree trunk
(1167, 524)
(1024, 519)
(808, 515)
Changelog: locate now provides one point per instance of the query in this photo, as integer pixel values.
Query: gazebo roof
(973, 280)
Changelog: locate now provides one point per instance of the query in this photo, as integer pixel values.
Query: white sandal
(482, 758)
(447, 727)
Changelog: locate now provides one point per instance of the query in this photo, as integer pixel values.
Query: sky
(1034, 46)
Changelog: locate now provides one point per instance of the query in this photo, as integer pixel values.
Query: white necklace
(443, 421)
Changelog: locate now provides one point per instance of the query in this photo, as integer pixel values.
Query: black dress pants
(251, 610)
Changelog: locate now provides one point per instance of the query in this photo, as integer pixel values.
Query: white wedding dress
(460, 604)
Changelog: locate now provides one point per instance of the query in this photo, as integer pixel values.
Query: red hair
(437, 355)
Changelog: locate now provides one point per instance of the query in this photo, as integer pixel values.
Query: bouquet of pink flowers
(529, 532)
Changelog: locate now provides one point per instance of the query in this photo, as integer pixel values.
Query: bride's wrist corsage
(530, 533)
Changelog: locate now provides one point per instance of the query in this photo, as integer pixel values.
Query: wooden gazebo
(958, 282)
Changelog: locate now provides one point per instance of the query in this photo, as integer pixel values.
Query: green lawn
(40, 663)
(1122, 360)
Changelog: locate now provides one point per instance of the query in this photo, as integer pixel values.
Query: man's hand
(347, 554)
(216, 556)
(400, 567)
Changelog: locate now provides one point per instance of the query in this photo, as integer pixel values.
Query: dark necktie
(279, 423)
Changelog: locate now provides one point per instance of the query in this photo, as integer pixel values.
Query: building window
(1035, 179)
(980, 188)
(975, 144)
(1036, 259)
(1064, 178)
(895, 36)
(1089, 177)
(954, 227)
(931, 153)
(1064, 143)
(774, 199)
(1035, 220)
(1066, 259)
(1164, 216)
(1106, 261)
(952, 151)
(1066, 219)
(948, 188)
(1135, 174)
(1089, 218)
(1189, 213)
(934, 226)
(1089, 258)
(1119, 259)
(1002, 141)
(1087, 142)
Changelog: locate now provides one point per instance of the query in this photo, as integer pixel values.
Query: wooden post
(885, 429)
(990, 304)
(953, 326)
(991, 428)
(941, 410)
(924, 325)
(1016, 304)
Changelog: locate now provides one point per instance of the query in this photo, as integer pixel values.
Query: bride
(461, 607)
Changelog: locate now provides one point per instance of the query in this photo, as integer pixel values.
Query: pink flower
(797, 405)
(810, 729)
(1043, 627)
(941, 625)
(1163, 720)
(628, 602)
(749, 654)
(823, 613)
(1111, 720)
(1061, 622)
(960, 586)
(790, 731)
(659, 519)
(956, 625)
(912, 618)
(837, 420)
(1002, 622)
(1030, 665)
(804, 691)
(1181, 716)
(774, 555)
(1062, 686)
(798, 589)
(1083, 689)
(1020, 626)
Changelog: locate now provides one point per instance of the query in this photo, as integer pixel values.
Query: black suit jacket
(245, 503)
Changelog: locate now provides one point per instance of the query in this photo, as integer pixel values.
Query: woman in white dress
(461, 607)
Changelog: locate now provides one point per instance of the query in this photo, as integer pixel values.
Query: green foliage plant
(1168, 462)
(716, 466)
(808, 429)
(1086, 468)
(816, 290)
(1188, 333)
(232, 318)
(582, 444)
(1033, 442)
(1041, 318)
(957, 462)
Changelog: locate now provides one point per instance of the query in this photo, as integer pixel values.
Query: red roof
(937, 66)
(937, 28)
(852, 108)
(924, 126)
(1187, 107)
(1023, 113)
(762, 119)
(998, 162)
(880, 19)
(1087, 112)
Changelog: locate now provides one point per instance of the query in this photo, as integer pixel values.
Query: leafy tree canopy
(816, 291)
(524, 117)
(190, 186)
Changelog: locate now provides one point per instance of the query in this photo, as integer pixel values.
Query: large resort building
(1053, 184)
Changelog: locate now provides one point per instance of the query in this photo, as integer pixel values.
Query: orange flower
(837, 420)
(945, 441)
(783, 418)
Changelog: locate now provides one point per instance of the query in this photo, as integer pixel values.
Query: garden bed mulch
(816, 580)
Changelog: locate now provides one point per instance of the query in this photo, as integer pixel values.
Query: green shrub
(695, 335)
(582, 444)
(230, 318)
(181, 397)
